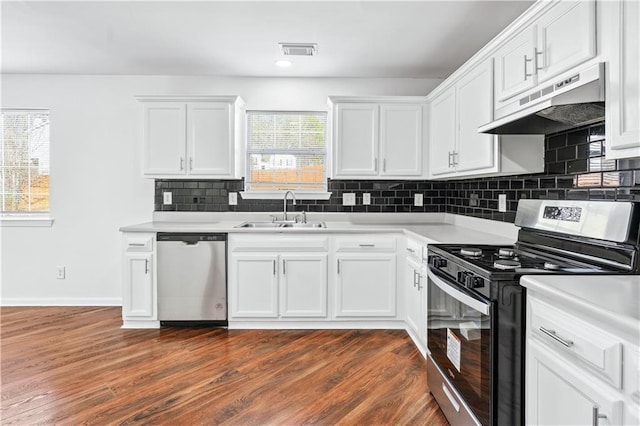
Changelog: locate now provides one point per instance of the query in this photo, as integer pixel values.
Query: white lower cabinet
(365, 285)
(415, 293)
(303, 285)
(255, 285)
(139, 285)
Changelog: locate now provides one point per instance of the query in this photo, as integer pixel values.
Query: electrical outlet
(366, 198)
(349, 199)
(473, 200)
(60, 272)
(167, 198)
(502, 202)
(418, 200)
(233, 198)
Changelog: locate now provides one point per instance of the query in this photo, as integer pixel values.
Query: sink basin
(260, 225)
(306, 225)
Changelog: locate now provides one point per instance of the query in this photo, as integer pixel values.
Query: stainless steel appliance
(476, 307)
(192, 279)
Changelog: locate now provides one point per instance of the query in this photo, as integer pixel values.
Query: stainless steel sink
(282, 225)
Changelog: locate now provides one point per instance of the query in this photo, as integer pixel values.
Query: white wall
(96, 183)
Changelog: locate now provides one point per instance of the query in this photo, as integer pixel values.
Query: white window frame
(300, 194)
(29, 219)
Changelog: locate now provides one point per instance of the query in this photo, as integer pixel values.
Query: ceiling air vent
(299, 49)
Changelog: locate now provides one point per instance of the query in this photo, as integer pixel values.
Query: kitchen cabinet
(377, 137)
(139, 296)
(278, 279)
(187, 138)
(457, 149)
(550, 45)
(416, 301)
(621, 38)
(365, 277)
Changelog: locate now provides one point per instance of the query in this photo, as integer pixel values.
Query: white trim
(318, 325)
(60, 301)
(279, 195)
(26, 220)
(133, 324)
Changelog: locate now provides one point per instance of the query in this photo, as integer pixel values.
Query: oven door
(459, 340)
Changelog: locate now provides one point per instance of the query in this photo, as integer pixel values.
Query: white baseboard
(316, 325)
(61, 301)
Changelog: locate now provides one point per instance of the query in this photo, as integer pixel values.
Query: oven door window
(459, 339)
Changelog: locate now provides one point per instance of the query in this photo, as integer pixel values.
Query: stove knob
(438, 262)
(474, 282)
(462, 277)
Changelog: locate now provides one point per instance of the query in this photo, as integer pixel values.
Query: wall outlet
(349, 199)
(473, 200)
(233, 198)
(502, 202)
(418, 200)
(60, 272)
(366, 198)
(167, 198)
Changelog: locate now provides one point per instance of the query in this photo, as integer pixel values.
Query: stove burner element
(506, 252)
(506, 264)
(471, 251)
(552, 266)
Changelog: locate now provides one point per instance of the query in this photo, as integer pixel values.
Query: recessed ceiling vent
(298, 49)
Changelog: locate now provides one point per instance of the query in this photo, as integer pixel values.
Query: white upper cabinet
(186, 137)
(442, 137)
(621, 38)
(377, 137)
(561, 38)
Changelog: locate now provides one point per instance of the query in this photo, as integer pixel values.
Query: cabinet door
(253, 280)
(210, 138)
(164, 138)
(442, 135)
(623, 79)
(303, 283)
(366, 285)
(559, 394)
(356, 140)
(401, 140)
(475, 107)
(413, 296)
(566, 38)
(137, 301)
(515, 65)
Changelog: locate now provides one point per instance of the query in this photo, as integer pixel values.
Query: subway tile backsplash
(575, 169)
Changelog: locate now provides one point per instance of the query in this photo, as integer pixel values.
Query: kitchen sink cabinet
(377, 137)
(303, 285)
(545, 48)
(191, 137)
(139, 285)
(254, 285)
(621, 38)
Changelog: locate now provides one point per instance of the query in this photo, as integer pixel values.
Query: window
(286, 151)
(24, 162)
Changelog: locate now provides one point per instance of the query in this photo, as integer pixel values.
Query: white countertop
(615, 298)
(436, 228)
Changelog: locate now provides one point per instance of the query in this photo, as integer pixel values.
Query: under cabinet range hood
(555, 106)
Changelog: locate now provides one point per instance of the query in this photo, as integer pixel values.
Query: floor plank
(75, 365)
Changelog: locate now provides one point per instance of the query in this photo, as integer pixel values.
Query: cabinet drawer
(414, 250)
(585, 343)
(138, 243)
(365, 243)
(278, 243)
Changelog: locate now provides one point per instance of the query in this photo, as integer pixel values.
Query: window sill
(25, 220)
(279, 195)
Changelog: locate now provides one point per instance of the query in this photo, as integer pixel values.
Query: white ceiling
(240, 38)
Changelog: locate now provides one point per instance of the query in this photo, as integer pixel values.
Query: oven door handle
(478, 305)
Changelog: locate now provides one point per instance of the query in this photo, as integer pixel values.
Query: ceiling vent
(298, 49)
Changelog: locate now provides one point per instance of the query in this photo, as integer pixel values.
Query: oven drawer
(578, 340)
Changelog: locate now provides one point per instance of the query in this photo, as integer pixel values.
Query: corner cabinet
(457, 149)
(621, 39)
(139, 297)
(377, 137)
(415, 281)
(188, 137)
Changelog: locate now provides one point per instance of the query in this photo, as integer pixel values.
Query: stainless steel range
(476, 307)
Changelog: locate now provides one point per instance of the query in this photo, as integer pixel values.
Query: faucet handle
(304, 216)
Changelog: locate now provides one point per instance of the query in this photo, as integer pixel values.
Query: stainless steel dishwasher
(192, 279)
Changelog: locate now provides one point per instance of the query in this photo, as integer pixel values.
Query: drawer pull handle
(455, 404)
(411, 250)
(554, 336)
(595, 416)
(367, 245)
(137, 244)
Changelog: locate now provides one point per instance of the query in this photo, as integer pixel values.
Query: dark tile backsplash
(575, 169)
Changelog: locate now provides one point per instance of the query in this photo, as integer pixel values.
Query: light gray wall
(96, 182)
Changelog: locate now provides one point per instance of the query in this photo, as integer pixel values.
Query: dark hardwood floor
(75, 365)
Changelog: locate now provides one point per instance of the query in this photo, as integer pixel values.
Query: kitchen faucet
(285, 203)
